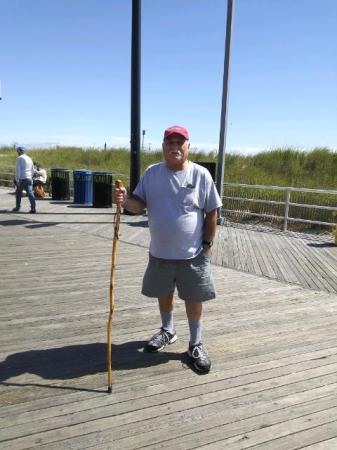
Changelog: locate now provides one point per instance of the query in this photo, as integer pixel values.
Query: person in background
(24, 172)
(182, 204)
(40, 175)
(39, 181)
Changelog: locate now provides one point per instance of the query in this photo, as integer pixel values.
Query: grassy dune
(315, 169)
(282, 167)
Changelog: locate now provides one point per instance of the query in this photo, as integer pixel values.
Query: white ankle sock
(195, 331)
(167, 320)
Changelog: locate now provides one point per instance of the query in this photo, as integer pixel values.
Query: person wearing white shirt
(39, 181)
(24, 172)
(40, 175)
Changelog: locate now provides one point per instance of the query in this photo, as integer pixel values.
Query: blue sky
(65, 72)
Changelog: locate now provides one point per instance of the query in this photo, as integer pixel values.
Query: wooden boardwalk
(295, 258)
(273, 344)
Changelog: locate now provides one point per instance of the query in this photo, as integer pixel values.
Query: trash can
(102, 189)
(83, 187)
(210, 166)
(60, 183)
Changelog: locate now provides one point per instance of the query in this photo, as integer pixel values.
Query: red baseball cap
(176, 129)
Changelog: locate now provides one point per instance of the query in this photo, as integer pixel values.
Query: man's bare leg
(193, 310)
(166, 303)
(166, 306)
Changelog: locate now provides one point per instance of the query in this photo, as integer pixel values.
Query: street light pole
(135, 94)
(224, 105)
(143, 134)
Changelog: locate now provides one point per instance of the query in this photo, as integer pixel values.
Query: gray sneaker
(199, 358)
(160, 340)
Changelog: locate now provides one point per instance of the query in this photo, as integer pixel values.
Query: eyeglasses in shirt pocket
(188, 198)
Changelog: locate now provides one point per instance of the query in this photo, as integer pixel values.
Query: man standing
(182, 204)
(24, 172)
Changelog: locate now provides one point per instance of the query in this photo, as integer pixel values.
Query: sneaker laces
(199, 352)
(162, 337)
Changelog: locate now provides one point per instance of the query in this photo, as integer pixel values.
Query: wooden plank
(314, 268)
(312, 436)
(241, 260)
(303, 276)
(269, 248)
(119, 422)
(190, 432)
(325, 444)
(267, 270)
(256, 267)
(262, 426)
(276, 247)
(246, 259)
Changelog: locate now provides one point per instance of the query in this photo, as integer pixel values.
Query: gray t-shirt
(177, 202)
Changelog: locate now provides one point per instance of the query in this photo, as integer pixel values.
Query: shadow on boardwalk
(76, 361)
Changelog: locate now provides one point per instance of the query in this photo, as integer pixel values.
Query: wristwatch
(208, 243)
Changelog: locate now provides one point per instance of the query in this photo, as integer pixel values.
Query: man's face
(175, 149)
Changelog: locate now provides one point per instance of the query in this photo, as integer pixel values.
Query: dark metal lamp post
(135, 94)
(224, 106)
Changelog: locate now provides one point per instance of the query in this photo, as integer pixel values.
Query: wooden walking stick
(118, 184)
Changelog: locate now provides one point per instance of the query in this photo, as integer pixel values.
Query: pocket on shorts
(201, 261)
(204, 257)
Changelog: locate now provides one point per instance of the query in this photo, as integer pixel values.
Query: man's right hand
(119, 195)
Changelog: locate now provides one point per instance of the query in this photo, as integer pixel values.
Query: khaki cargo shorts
(192, 278)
